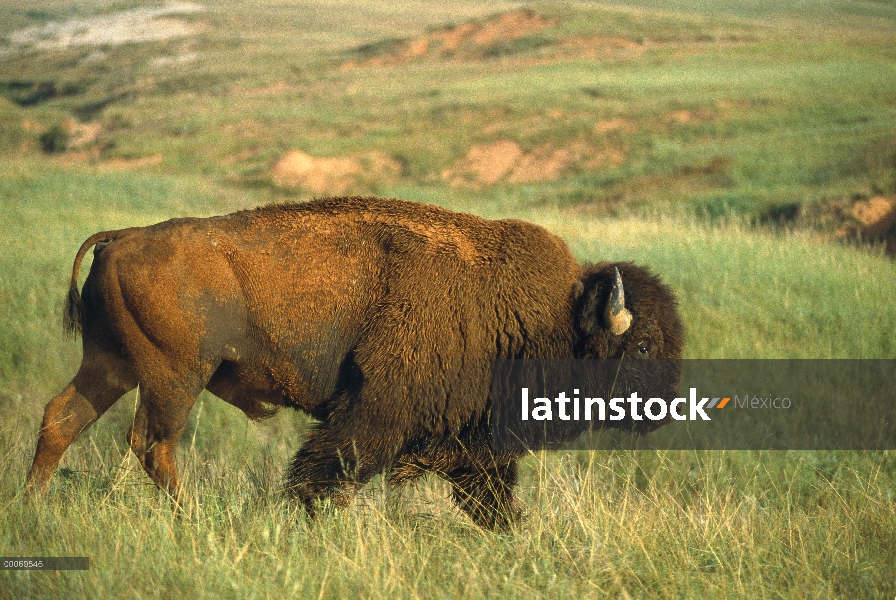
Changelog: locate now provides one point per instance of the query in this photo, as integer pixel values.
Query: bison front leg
(336, 461)
(485, 493)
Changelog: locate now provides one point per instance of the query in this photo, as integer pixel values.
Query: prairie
(734, 148)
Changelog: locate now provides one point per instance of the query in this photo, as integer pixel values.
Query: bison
(379, 318)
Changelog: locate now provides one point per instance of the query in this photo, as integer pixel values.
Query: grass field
(672, 134)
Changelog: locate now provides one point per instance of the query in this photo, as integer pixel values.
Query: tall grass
(628, 523)
(664, 525)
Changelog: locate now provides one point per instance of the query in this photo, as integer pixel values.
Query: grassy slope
(782, 117)
(622, 523)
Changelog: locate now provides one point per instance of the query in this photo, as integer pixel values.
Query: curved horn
(617, 318)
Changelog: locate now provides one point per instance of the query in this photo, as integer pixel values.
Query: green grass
(795, 524)
(786, 105)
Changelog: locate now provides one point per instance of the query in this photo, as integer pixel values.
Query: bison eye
(643, 348)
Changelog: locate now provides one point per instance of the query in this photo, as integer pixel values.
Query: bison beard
(380, 318)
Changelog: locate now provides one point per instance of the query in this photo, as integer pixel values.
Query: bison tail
(73, 312)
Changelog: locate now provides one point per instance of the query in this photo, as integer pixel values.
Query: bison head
(623, 313)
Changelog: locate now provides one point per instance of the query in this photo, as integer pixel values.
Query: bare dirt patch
(469, 40)
(335, 175)
(484, 164)
(122, 27)
(83, 134)
(505, 160)
(874, 218)
(506, 27)
(868, 220)
(860, 219)
(515, 33)
(545, 163)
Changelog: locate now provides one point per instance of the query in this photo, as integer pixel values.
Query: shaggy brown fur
(380, 318)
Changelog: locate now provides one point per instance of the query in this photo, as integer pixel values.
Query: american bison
(379, 318)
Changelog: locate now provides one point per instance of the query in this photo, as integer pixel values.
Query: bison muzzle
(379, 318)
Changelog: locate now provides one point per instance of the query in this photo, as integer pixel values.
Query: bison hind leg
(103, 378)
(166, 399)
